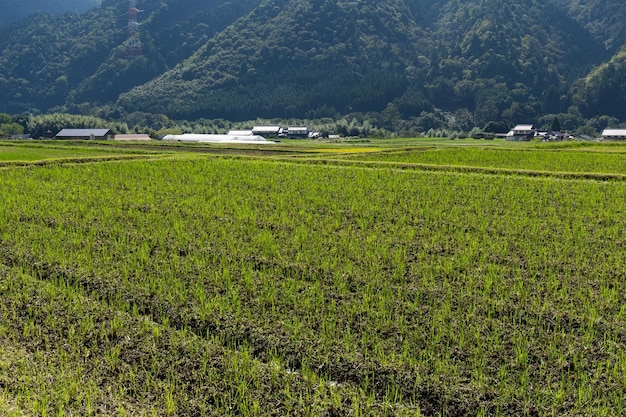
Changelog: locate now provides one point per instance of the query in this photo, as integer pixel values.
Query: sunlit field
(600, 160)
(315, 280)
(19, 152)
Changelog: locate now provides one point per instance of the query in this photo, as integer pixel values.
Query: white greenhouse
(193, 137)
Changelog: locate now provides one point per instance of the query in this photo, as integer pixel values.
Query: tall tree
(556, 124)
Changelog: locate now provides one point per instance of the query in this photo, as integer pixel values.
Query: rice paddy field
(387, 279)
(17, 154)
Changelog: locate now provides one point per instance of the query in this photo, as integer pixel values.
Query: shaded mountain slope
(603, 19)
(242, 59)
(13, 11)
(603, 91)
(294, 57)
(508, 57)
(73, 62)
(317, 58)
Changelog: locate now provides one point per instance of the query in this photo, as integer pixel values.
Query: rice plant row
(219, 286)
(600, 159)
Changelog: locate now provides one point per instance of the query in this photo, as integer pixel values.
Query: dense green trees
(13, 11)
(61, 62)
(8, 127)
(406, 66)
(37, 126)
(496, 60)
(604, 90)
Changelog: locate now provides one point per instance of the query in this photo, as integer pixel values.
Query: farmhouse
(298, 132)
(614, 134)
(86, 134)
(267, 131)
(552, 136)
(521, 133)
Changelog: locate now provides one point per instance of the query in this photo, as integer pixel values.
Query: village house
(298, 132)
(614, 134)
(85, 134)
(521, 133)
(267, 131)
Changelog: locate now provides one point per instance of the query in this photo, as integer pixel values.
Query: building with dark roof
(298, 132)
(85, 134)
(267, 131)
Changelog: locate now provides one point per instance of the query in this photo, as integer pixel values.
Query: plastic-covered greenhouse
(193, 137)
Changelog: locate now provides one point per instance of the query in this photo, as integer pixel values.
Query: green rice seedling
(377, 290)
(539, 158)
(112, 355)
(170, 402)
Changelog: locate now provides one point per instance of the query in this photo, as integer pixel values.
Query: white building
(521, 133)
(614, 134)
(192, 137)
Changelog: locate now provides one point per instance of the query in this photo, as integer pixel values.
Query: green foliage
(15, 11)
(290, 61)
(603, 19)
(238, 60)
(168, 131)
(556, 125)
(501, 126)
(37, 126)
(76, 62)
(8, 127)
(603, 91)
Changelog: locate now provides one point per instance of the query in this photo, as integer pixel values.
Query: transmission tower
(133, 43)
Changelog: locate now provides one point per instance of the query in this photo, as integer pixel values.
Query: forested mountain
(603, 91)
(427, 60)
(603, 19)
(78, 62)
(294, 57)
(13, 11)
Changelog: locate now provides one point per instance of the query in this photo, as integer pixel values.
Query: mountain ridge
(242, 59)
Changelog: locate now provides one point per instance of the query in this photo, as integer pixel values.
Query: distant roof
(142, 136)
(523, 127)
(74, 133)
(266, 129)
(614, 132)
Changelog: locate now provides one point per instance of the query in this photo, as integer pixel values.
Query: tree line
(385, 124)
